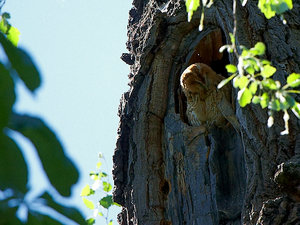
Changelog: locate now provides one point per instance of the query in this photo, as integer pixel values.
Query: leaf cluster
(59, 169)
(100, 184)
(253, 77)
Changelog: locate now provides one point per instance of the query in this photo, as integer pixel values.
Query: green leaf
(281, 6)
(86, 190)
(106, 186)
(102, 174)
(232, 38)
(13, 36)
(70, 212)
(275, 105)
(265, 8)
(22, 63)
(290, 100)
(240, 81)
(253, 87)
(116, 204)
(268, 71)
(110, 222)
(4, 26)
(244, 97)
(91, 221)
(250, 70)
(7, 95)
(231, 68)
(264, 100)
(269, 84)
(296, 110)
(293, 80)
(260, 48)
(284, 104)
(60, 170)
(191, 6)
(256, 99)
(225, 81)
(100, 214)
(98, 165)
(106, 202)
(13, 168)
(88, 203)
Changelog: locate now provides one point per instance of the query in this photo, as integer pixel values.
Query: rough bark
(167, 172)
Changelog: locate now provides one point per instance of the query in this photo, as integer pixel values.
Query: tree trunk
(168, 172)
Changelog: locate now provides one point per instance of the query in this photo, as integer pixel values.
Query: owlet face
(193, 82)
(199, 84)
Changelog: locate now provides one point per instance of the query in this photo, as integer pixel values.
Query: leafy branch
(60, 170)
(100, 184)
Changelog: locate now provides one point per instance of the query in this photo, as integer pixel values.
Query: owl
(206, 104)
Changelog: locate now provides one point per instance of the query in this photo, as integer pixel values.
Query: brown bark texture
(168, 172)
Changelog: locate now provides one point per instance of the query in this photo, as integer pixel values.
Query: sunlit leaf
(293, 80)
(253, 87)
(7, 95)
(116, 204)
(260, 48)
(106, 186)
(232, 38)
(269, 84)
(69, 212)
(88, 203)
(85, 191)
(22, 63)
(296, 110)
(256, 99)
(244, 97)
(106, 202)
(231, 68)
(91, 221)
(13, 36)
(191, 6)
(225, 81)
(13, 168)
(240, 81)
(110, 222)
(60, 170)
(265, 8)
(264, 100)
(98, 165)
(268, 71)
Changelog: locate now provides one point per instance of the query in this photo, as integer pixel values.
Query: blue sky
(77, 46)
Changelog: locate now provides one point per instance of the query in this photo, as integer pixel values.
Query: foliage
(252, 75)
(100, 185)
(12, 33)
(192, 5)
(59, 169)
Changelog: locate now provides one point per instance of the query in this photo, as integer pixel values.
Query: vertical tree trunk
(167, 172)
